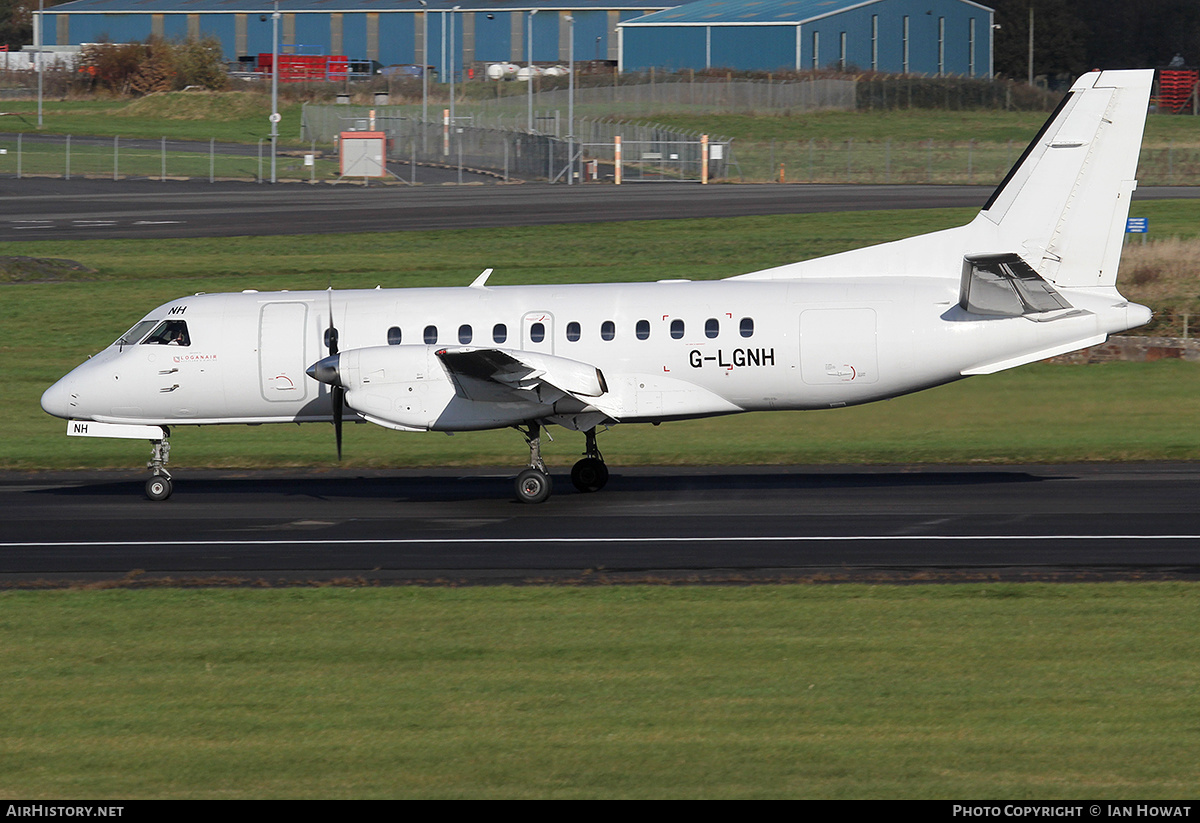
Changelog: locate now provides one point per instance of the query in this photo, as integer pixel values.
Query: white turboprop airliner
(1033, 275)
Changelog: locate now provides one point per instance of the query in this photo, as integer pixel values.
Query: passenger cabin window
(573, 332)
(643, 330)
(431, 334)
(464, 333)
(712, 327)
(746, 327)
(608, 330)
(677, 329)
(170, 333)
(394, 336)
(537, 332)
(499, 333)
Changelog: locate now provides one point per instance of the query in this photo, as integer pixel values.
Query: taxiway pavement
(36, 208)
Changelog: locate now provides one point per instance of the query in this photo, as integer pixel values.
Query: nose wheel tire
(533, 486)
(589, 474)
(158, 487)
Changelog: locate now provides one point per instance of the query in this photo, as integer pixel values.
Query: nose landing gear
(159, 487)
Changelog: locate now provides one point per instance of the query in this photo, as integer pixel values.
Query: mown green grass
(1059, 413)
(232, 118)
(974, 691)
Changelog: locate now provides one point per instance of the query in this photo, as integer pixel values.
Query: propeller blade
(338, 393)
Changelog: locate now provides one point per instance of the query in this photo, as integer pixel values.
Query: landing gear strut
(534, 484)
(590, 474)
(159, 487)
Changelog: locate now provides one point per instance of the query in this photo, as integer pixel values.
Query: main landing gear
(590, 474)
(534, 484)
(159, 487)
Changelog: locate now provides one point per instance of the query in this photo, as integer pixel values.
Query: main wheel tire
(589, 474)
(533, 486)
(158, 487)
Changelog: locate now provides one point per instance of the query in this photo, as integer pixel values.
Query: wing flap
(494, 374)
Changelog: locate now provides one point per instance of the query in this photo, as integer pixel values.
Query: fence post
(68, 170)
(260, 141)
(116, 157)
(163, 176)
(929, 162)
(18, 155)
(971, 161)
(212, 159)
(887, 161)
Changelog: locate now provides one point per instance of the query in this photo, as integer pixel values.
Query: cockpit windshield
(135, 334)
(169, 333)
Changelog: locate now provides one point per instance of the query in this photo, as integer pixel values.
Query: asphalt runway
(36, 208)
(713, 524)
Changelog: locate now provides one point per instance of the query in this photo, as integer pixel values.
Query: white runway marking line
(400, 541)
(156, 222)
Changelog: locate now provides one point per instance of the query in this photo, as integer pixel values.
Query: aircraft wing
(504, 375)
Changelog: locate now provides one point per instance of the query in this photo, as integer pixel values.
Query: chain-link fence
(653, 152)
(470, 143)
(971, 162)
(678, 94)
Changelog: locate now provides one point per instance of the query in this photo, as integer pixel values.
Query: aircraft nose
(56, 400)
(326, 370)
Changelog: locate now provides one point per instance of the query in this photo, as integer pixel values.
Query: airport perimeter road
(718, 524)
(35, 208)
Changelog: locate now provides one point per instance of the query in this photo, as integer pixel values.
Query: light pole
(41, 21)
(1031, 42)
(529, 79)
(570, 100)
(274, 87)
(453, 49)
(424, 60)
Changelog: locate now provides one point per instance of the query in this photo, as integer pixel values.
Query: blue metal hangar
(387, 31)
(932, 37)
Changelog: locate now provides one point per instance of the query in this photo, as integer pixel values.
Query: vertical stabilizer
(1063, 206)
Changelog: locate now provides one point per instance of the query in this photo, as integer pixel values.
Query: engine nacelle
(408, 388)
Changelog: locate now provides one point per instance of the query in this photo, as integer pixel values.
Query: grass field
(972, 691)
(1114, 412)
